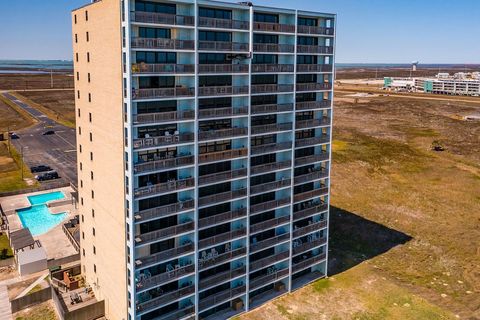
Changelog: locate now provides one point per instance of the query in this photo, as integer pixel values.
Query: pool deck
(55, 242)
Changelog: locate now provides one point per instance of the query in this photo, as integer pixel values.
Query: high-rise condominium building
(204, 134)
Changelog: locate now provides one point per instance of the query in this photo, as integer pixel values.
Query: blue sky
(369, 31)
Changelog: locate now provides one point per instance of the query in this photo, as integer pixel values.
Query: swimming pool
(38, 218)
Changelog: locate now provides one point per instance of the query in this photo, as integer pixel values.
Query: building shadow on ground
(354, 239)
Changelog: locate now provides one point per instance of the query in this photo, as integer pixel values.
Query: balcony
(309, 245)
(265, 262)
(311, 159)
(306, 142)
(162, 43)
(222, 155)
(222, 68)
(222, 134)
(311, 176)
(222, 90)
(219, 297)
(271, 147)
(158, 117)
(269, 186)
(223, 23)
(162, 93)
(269, 205)
(269, 242)
(165, 298)
(314, 49)
(268, 278)
(161, 18)
(164, 187)
(273, 27)
(162, 140)
(159, 212)
(308, 105)
(221, 277)
(271, 128)
(312, 123)
(161, 68)
(271, 88)
(314, 86)
(269, 167)
(222, 217)
(310, 210)
(315, 30)
(272, 68)
(222, 46)
(269, 224)
(220, 197)
(308, 262)
(164, 277)
(222, 176)
(164, 255)
(273, 47)
(222, 237)
(207, 261)
(163, 211)
(161, 234)
(269, 108)
(180, 314)
(314, 68)
(310, 194)
(170, 163)
(222, 112)
(314, 226)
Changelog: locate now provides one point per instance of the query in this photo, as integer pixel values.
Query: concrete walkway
(5, 309)
(30, 287)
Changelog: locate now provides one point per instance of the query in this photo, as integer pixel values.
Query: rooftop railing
(223, 23)
(162, 43)
(161, 18)
(162, 211)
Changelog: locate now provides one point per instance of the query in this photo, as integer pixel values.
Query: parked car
(40, 168)
(13, 135)
(47, 176)
(49, 132)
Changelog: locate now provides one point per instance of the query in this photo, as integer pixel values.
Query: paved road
(57, 150)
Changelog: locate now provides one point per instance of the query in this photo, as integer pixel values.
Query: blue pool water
(38, 218)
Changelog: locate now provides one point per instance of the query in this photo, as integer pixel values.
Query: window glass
(215, 13)
(307, 21)
(308, 41)
(265, 38)
(265, 17)
(214, 36)
(154, 33)
(264, 58)
(147, 6)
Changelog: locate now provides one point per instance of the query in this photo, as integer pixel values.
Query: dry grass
(12, 117)
(10, 170)
(383, 171)
(34, 81)
(57, 105)
(43, 311)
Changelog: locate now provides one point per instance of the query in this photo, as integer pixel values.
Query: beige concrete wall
(106, 127)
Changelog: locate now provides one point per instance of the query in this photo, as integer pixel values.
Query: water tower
(414, 65)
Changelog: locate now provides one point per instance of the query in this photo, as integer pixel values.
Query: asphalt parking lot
(57, 150)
